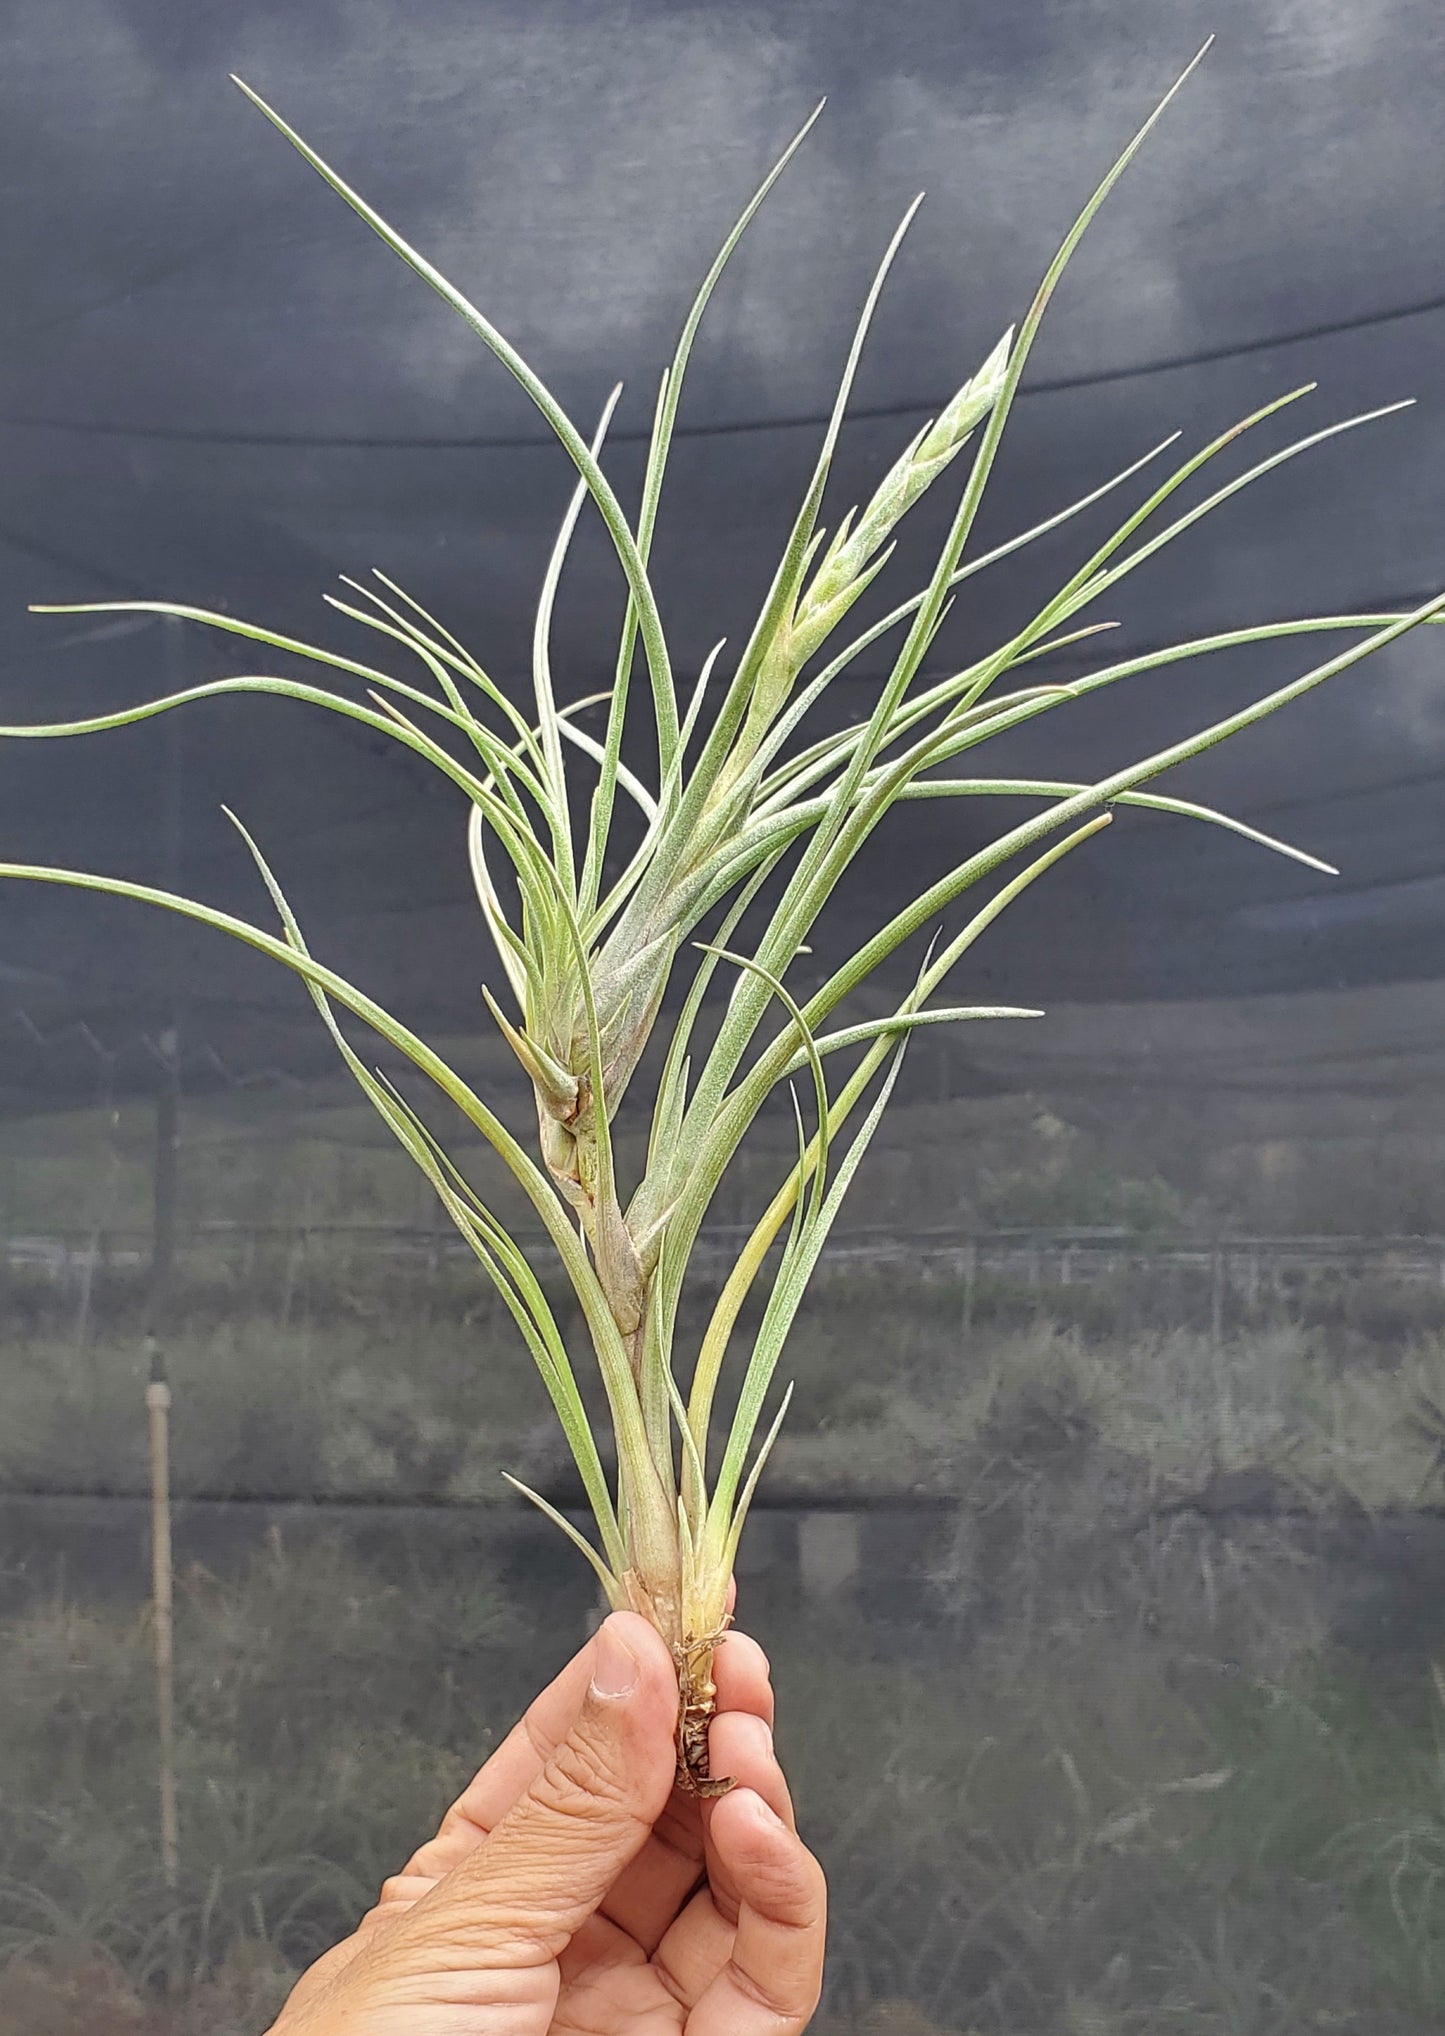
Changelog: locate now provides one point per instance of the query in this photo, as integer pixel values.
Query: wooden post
(165, 1177)
(158, 1406)
(164, 1208)
(97, 1253)
(1216, 1296)
(433, 1277)
(288, 1291)
(158, 1415)
(87, 1290)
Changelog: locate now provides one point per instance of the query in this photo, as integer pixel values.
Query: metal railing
(1029, 1257)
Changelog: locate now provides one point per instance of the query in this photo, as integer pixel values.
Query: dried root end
(697, 1708)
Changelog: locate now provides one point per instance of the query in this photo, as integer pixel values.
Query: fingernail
(614, 1666)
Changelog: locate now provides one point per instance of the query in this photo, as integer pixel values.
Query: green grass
(303, 1770)
(304, 1411)
(1120, 1785)
(358, 1381)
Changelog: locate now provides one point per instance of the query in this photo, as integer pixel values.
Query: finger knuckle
(790, 1889)
(585, 1778)
(792, 2007)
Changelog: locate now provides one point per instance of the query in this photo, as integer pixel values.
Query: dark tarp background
(1100, 1559)
(219, 388)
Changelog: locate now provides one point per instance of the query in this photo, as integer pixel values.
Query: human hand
(572, 1891)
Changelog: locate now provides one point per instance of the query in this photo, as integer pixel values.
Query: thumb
(519, 1899)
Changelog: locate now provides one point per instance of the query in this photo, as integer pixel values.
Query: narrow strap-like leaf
(665, 417)
(618, 528)
(616, 1593)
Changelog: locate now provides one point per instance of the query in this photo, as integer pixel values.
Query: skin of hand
(573, 1891)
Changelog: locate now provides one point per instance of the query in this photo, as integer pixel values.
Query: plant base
(697, 1707)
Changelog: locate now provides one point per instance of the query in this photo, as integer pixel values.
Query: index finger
(510, 1771)
(652, 1890)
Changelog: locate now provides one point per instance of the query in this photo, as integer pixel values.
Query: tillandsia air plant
(743, 812)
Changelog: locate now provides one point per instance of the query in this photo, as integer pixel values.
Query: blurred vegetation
(1113, 1777)
(1150, 1162)
(326, 1374)
(1141, 1730)
(321, 1709)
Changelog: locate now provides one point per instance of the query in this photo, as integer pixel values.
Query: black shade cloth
(219, 388)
